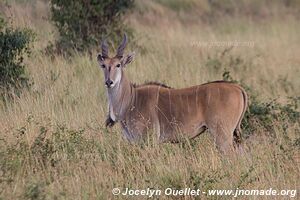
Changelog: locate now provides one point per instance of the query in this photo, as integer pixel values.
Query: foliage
(2, 22)
(14, 45)
(35, 192)
(81, 24)
(214, 11)
(262, 116)
(255, 9)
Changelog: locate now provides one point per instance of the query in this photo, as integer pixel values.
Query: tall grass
(53, 144)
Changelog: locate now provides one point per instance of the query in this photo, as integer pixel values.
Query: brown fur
(176, 113)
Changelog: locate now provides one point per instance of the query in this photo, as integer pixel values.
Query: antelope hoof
(109, 122)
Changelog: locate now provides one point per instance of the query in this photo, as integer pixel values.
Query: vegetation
(14, 45)
(53, 142)
(263, 116)
(82, 24)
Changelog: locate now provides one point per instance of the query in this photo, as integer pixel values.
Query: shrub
(82, 23)
(263, 116)
(2, 23)
(256, 9)
(14, 46)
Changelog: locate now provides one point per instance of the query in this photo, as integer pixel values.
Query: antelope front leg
(109, 122)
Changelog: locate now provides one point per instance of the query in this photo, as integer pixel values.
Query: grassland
(53, 143)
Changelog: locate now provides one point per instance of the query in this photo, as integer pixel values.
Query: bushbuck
(171, 113)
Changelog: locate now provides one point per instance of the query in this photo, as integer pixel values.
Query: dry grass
(53, 143)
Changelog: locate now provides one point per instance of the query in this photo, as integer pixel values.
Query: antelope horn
(121, 48)
(104, 48)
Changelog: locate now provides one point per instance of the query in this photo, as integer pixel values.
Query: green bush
(261, 116)
(14, 45)
(2, 23)
(82, 23)
(264, 116)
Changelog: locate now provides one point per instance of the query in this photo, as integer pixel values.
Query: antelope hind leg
(223, 139)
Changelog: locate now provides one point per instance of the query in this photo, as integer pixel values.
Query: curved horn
(122, 46)
(104, 47)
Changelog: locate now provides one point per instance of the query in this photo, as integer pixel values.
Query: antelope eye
(118, 65)
(103, 66)
(100, 58)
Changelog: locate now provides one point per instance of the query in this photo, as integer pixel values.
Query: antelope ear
(127, 59)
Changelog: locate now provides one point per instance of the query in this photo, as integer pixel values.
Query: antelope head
(113, 66)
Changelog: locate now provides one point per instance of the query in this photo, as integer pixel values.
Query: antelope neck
(120, 98)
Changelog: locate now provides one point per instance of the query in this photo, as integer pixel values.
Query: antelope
(170, 113)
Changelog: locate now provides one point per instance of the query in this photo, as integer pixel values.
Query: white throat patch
(112, 94)
(111, 113)
(110, 107)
